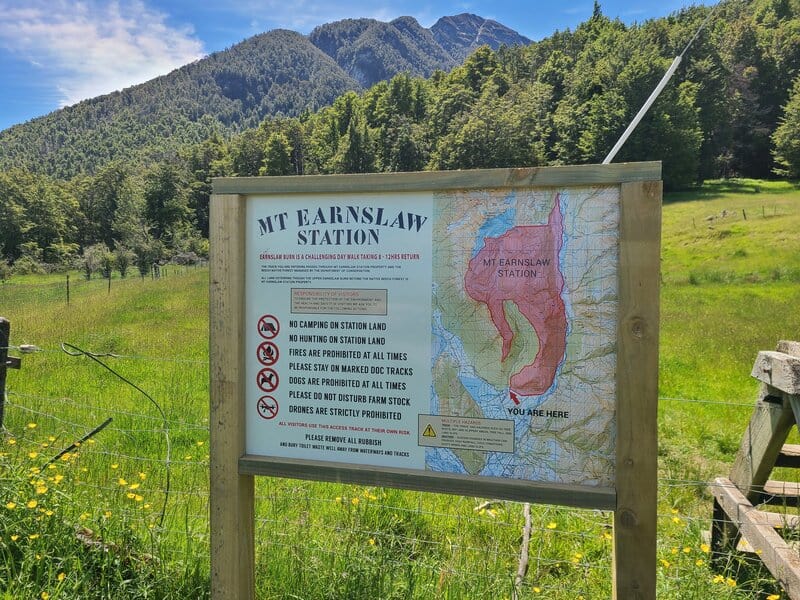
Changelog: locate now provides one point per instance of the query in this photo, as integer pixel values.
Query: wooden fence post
(5, 335)
(231, 494)
(637, 393)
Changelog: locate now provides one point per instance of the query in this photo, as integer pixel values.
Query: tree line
(732, 109)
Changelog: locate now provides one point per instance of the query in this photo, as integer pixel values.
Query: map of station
(524, 323)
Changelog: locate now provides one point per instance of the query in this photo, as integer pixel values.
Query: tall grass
(96, 528)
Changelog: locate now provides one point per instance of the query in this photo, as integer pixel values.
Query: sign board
(489, 333)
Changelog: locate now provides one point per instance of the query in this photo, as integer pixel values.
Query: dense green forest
(732, 109)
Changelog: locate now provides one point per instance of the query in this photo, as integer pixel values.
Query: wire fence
(111, 479)
(329, 537)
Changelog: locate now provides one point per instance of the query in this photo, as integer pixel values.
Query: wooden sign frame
(633, 498)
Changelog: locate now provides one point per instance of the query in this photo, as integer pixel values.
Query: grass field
(94, 524)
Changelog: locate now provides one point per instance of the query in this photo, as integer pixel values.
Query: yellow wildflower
(11, 505)
(666, 563)
(774, 597)
(699, 562)
(138, 498)
(552, 525)
(354, 501)
(705, 548)
(14, 538)
(45, 596)
(42, 489)
(686, 550)
(61, 576)
(33, 536)
(121, 481)
(31, 425)
(114, 465)
(142, 476)
(133, 486)
(12, 441)
(130, 495)
(33, 454)
(32, 504)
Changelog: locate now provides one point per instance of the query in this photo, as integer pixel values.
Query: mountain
(275, 73)
(461, 34)
(371, 51)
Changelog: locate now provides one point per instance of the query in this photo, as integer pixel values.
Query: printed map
(524, 327)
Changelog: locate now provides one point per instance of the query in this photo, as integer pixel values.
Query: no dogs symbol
(268, 327)
(267, 380)
(267, 407)
(267, 354)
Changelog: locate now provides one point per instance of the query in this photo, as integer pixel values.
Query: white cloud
(90, 48)
(304, 15)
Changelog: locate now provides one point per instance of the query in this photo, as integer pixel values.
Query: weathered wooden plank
(779, 520)
(637, 391)
(573, 175)
(778, 555)
(789, 347)
(789, 456)
(447, 483)
(781, 371)
(761, 444)
(231, 494)
(781, 493)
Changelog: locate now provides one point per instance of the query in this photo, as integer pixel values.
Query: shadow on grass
(711, 190)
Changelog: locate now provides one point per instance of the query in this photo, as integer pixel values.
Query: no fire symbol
(267, 354)
(268, 327)
(267, 407)
(267, 380)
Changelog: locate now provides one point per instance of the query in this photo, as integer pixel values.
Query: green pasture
(94, 524)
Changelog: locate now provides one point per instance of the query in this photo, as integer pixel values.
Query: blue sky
(54, 53)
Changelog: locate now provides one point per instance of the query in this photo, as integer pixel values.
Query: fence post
(5, 335)
(67, 289)
(6, 362)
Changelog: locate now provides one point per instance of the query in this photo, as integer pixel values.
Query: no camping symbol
(268, 327)
(267, 407)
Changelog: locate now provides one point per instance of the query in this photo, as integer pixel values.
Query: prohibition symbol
(267, 354)
(268, 327)
(429, 432)
(267, 407)
(267, 380)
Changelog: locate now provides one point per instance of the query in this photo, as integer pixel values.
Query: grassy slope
(730, 289)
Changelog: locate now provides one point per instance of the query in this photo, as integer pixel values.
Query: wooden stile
(735, 513)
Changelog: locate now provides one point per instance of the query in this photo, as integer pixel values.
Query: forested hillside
(732, 109)
(279, 73)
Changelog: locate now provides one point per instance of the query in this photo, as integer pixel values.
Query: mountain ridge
(272, 74)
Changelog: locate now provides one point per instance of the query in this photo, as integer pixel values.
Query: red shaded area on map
(521, 266)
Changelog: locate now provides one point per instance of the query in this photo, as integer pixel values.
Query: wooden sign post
(538, 290)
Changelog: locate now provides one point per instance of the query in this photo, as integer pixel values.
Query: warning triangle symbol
(429, 432)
